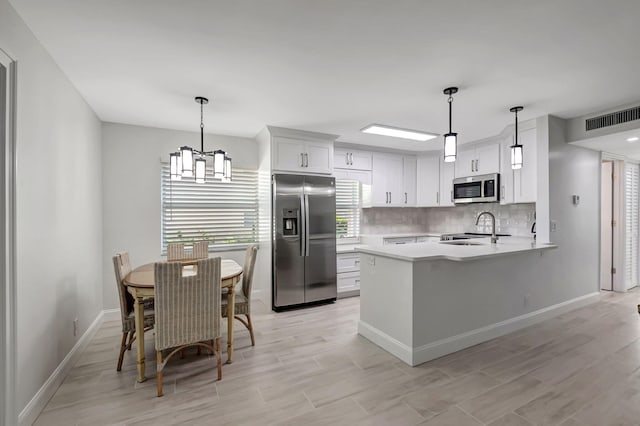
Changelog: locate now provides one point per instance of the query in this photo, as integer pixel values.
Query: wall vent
(613, 118)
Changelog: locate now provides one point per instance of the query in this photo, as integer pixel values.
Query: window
(225, 213)
(348, 208)
(632, 175)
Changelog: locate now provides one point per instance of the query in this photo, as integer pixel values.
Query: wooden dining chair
(122, 267)
(243, 294)
(200, 250)
(175, 251)
(187, 311)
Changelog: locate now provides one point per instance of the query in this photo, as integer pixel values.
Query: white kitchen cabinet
(506, 173)
(302, 156)
(409, 179)
(348, 274)
(428, 181)
(387, 180)
(519, 186)
(525, 179)
(447, 174)
(479, 160)
(352, 159)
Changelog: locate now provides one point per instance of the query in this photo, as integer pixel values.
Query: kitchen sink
(462, 243)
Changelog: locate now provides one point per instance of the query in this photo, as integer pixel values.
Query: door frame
(8, 255)
(618, 215)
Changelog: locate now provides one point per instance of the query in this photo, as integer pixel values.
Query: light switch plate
(553, 226)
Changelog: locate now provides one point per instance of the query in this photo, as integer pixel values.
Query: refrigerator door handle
(303, 226)
(306, 225)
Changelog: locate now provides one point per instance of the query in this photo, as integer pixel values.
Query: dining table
(140, 283)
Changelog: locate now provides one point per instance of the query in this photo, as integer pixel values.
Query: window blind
(348, 208)
(631, 183)
(224, 213)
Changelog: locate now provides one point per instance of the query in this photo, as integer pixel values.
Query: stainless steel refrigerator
(304, 240)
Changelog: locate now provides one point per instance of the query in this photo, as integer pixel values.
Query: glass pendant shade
(450, 147)
(227, 169)
(174, 161)
(201, 170)
(186, 154)
(516, 157)
(218, 163)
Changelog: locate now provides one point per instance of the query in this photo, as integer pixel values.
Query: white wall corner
(33, 409)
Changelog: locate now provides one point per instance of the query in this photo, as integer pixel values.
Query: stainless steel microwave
(477, 189)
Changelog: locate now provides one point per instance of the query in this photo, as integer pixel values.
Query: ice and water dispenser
(290, 221)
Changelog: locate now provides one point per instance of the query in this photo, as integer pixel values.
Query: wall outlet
(75, 327)
(553, 226)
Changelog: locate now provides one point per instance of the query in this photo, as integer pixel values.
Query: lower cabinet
(348, 268)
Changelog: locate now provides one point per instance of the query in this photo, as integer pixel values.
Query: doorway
(8, 416)
(612, 225)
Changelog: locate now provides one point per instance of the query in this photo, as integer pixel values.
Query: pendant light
(516, 148)
(189, 162)
(450, 139)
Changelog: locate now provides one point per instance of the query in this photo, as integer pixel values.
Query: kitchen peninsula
(425, 300)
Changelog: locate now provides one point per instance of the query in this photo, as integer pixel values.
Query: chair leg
(253, 339)
(159, 368)
(123, 347)
(219, 357)
(131, 334)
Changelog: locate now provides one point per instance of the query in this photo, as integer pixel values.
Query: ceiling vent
(613, 118)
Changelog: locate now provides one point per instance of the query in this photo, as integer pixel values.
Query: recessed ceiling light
(396, 132)
(633, 139)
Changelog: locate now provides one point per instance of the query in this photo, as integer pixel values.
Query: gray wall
(131, 162)
(59, 209)
(575, 266)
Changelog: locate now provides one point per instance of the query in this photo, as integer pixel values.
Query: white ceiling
(337, 65)
(615, 144)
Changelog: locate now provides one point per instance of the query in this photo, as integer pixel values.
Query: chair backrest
(175, 251)
(187, 308)
(247, 271)
(122, 267)
(200, 250)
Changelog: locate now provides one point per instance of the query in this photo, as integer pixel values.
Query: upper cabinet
(520, 186)
(479, 160)
(435, 181)
(428, 180)
(344, 158)
(388, 179)
(394, 180)
(301, 152)
(293, 155)
(409, 177)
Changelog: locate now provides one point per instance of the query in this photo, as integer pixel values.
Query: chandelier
(191, 163)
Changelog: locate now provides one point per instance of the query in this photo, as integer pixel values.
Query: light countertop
(438, 250)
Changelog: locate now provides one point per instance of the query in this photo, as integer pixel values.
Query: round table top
(144, 276)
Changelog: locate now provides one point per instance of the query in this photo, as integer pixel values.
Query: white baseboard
(33, 409)
(386, 342)
(458, 342)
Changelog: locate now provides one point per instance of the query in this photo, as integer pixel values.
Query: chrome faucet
(494, 238)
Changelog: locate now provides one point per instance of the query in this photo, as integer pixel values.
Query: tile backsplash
(514, 219)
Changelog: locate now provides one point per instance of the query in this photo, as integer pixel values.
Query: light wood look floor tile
(310, 367)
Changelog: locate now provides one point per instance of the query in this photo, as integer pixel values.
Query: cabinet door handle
(477, 165)
(389, 197)
(351, 158)
(301, 160)
(405, 198)
(472, 166)
(346, 158)
(437, 197)
(306, 159)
